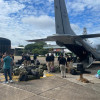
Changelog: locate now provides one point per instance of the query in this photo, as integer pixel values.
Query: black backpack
(23, 77)
(73, 72)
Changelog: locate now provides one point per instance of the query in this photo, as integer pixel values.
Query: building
(17, 50)
(57, 50)
(5, 45)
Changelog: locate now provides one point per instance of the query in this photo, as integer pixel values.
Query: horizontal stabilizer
(90, 36)
(65, 38)
(36, 40)
(61, 38)
(44, 39)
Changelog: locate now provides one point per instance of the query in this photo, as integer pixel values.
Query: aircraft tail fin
(61, 18)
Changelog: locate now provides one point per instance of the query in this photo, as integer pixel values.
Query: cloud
(6, 8)
(51, 0)
(42, 22)
(77, 6)
(80, 6)
(22, 20)
(85, 13)
(76, 29)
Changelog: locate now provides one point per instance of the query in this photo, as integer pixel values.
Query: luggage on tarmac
(37, 62)
(16, 71)
(98, 74)
(43, 66)
(41, 72)
(23, 77)
(19, 62)
(35, 74)
(32, 61)
(57, 68)
(29, 72)
(31, 77)
(52, 69)
(73, 72)
(80, 68)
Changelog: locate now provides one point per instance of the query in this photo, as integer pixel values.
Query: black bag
(35, 74)
(23, 77)
(80, 68)
(73, 72)
(37, 62)
(32, 61)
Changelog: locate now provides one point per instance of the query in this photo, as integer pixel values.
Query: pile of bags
(29, 72)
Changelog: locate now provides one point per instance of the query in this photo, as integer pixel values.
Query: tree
(36, 48)
(35, 51)
(29, 47)
(20, 46)
(44, 51)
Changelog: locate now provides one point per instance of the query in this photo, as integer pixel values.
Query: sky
(22, 20)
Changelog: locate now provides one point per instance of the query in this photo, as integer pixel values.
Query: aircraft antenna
(84, 31)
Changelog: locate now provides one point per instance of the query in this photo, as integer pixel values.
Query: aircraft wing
(90, 36)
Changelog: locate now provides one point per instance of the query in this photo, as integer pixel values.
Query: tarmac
(53, 87)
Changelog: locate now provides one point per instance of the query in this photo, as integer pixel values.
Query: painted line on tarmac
(5, 84)
(25, 91)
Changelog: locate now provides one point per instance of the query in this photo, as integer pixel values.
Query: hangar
(5, 45)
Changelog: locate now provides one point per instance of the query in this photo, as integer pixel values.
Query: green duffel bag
(44, 66)
(41, 72)
(35, 73)
(31, 77)
(16, 71)
(23, 72)
(40, 66)
(36, 70)
(57, 69)
(23, 77)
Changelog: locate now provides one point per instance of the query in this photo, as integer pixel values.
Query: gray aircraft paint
(61, 18)
(63, 25)
(65, 35)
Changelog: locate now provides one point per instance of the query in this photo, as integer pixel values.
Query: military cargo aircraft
(65, 36)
